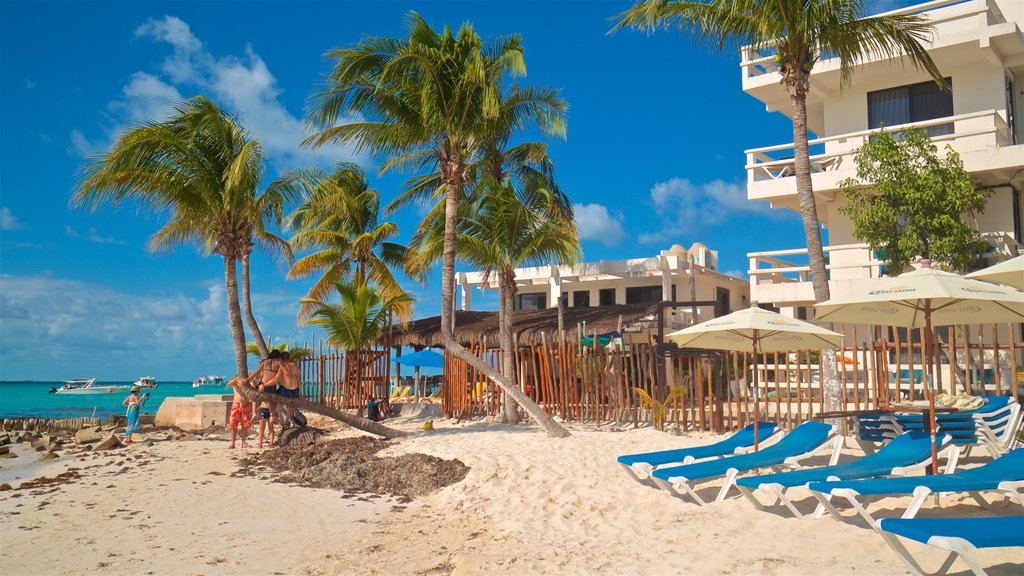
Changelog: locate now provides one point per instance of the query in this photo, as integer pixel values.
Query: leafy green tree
(203, 169)
(425, 100)
(906, 202)
(338, 221)
(800, 33)
(266, 210)
(295, 353)
(503, 229)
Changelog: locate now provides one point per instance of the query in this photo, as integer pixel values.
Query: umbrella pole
(931, 383)
(757, 412)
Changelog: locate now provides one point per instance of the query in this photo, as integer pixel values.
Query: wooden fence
(593, 384)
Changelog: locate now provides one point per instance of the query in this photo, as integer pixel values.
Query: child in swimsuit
(241, 411)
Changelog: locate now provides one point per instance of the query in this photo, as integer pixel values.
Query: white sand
(529, 505)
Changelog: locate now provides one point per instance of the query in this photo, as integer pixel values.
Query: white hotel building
(979, 47)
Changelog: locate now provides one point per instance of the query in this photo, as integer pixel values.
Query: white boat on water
(206, 380)
(88, 386)
(146, 382)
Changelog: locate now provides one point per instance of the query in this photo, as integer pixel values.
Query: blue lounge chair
(804, 441)
(907, 453)
(640, 466)
(960, 536)
(1004, 475)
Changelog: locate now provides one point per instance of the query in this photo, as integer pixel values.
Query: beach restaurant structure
(637, 281)
(979, 48)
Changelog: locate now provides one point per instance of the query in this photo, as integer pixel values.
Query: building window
(912, 103)
(801, 313)
(722, 301)
(581, 298)
(530, 301)
(606, 297)
(643, 294)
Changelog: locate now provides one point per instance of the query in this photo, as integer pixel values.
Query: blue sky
(654, 156)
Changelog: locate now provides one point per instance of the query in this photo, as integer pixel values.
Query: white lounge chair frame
(957, 548)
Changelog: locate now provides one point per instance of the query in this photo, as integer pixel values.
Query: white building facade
(979, 47)
(665, 277)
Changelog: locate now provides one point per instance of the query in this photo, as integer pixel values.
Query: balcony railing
(976, 130)
(846, 260)
(758, 60)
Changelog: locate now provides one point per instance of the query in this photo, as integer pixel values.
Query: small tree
(906, 201)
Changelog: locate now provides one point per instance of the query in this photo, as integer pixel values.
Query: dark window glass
(911, 103)
(606, 296)
(581, 298)
(801, 313)
(722, 301)
(643, 294)
(530, 301)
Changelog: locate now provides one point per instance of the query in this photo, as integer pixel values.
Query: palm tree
(801, 32)
(267, 208)
(358, 321)
(425, 100)
(203, 168)
(339, 220)
(295, 353)
(504, 229)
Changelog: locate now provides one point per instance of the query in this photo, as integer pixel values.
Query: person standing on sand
(133, 402)
(288, 381)
(267, 372)
(241, 411)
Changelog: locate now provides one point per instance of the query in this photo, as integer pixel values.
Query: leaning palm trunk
(454, 180)
(506, 283)
(257, 336)
(235, 314)
(306, 406)
(830, 386)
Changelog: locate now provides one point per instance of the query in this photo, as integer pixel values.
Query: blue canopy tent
(425, 358)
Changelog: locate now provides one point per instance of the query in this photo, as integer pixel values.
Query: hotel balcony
(983, 140)
(782, 277)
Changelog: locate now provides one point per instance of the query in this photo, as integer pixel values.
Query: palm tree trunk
(506, 287)
(830, 385)
(257, 336)
(453, 189)
(235, 314)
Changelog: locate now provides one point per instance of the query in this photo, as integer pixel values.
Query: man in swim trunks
(241, 411)
(267, 373)
(289, 382)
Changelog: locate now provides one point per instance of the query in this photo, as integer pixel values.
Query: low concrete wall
(194, 413)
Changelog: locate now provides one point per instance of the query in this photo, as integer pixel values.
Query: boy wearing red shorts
(241, 412)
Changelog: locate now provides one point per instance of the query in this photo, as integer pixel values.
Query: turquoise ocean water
(33, 399)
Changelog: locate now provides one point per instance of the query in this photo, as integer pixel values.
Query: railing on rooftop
(962, 132)
(758, 60)
(856, 260)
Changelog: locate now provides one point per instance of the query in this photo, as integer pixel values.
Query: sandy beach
(528, 505)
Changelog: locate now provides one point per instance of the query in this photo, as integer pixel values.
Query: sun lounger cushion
(998, 532)
(741, 439)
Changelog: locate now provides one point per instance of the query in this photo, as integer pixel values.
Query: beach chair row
(884, 472)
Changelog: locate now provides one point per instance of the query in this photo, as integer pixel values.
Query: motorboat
(87, 386)
(206, 380)
(146, 382)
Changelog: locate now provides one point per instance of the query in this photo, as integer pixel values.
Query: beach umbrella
(756, 331)
(921, 299)
(1009, 273)
(426, 358)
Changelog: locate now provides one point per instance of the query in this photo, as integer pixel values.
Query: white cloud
(83, 147)
(70, 232)
(92, 236)
(243, 84)
(595, 222)
(8, 222)
(684, 207)
(30, 84)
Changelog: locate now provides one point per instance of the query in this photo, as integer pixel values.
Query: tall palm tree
(801, 32)
(506, 228)
(339, 220)
(425, 100)
(267, 209)
(202, 168)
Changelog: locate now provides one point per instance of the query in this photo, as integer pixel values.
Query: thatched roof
(475, 327)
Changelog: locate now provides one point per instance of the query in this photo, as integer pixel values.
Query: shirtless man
(265, 413)
(241, 411)
(289, 381)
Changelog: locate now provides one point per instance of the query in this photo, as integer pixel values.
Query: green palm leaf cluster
(203, 170)
(338, 225)
(659, 410)
(798, 33)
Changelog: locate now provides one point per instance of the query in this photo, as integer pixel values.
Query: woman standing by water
(133, 402)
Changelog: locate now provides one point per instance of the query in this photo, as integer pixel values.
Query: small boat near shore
(208, 381)
(146, 382)
(87, 386)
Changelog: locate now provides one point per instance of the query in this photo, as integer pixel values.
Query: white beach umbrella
(921, 299)
(1009, 273)
(756, 331)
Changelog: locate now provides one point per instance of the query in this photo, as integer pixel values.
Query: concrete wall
(194, 413)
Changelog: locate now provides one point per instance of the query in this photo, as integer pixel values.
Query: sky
(653, 157)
